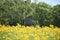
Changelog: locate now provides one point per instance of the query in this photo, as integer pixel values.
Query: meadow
(21, 32)
(25, 12)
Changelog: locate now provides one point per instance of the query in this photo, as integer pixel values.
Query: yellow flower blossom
(20, 32)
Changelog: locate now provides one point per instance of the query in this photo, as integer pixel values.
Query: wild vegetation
(20, 32)
(39, 21)
(16, 11)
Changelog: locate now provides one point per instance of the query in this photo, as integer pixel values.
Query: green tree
(56, 12)
(44, 13)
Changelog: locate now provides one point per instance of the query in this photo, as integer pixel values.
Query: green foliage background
(16, 11)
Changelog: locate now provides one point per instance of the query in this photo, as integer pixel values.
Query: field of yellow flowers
(29, 33)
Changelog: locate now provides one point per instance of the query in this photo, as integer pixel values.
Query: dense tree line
(16, 11)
